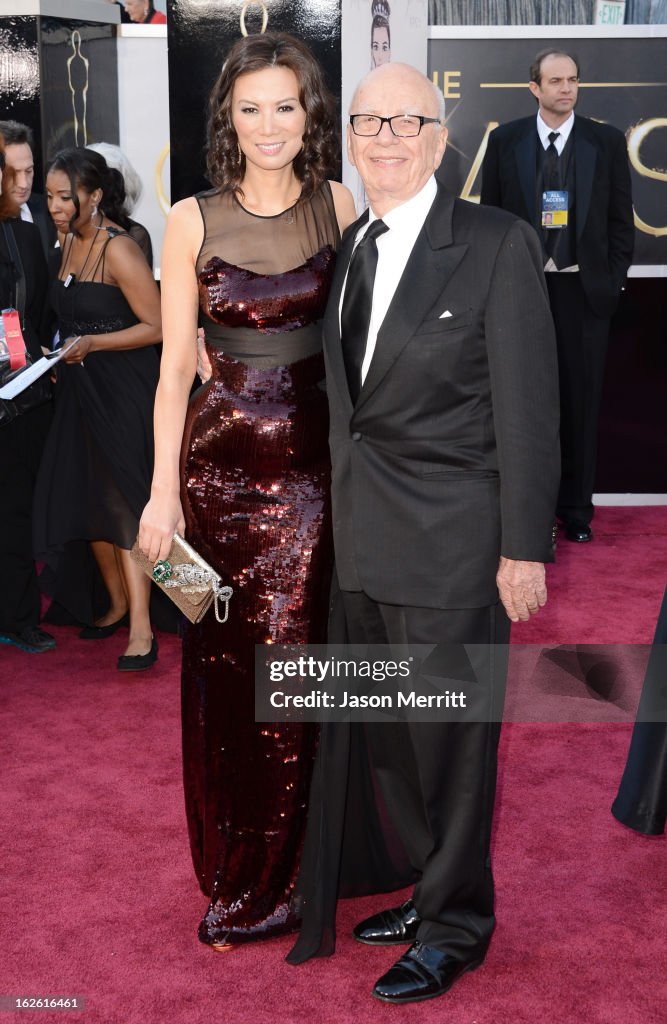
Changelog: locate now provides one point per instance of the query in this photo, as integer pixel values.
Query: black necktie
(552, 170)
(552, 181)
(355, 314)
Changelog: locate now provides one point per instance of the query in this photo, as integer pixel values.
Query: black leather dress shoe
(422, 973)
(397, 926)
(578, 531)
(138, 662)
(102, 632)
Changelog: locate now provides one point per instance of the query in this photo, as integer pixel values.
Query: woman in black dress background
(253, 259)
(95, 474)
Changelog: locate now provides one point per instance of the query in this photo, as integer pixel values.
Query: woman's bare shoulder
(346, 212)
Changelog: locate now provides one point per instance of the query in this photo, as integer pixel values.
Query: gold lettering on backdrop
(159, 179)
(636, 136)
(253, 3)
(466, 191)
(451, 84)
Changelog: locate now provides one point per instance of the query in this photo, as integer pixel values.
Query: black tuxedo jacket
(42, 219)
(36, 331)
(604, 217)
(450, 456)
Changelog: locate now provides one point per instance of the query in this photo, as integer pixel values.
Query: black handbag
(40, 392)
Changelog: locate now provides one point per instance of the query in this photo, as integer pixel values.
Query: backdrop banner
(375, 32)
(200, 35)
(483, 73)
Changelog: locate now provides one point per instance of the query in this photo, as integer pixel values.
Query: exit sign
(609, 12)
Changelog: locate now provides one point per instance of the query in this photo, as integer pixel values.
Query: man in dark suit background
(19, 158)
(24, 286)
(442, 383)
(585, 261)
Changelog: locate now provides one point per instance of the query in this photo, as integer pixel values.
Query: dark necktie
(552, 181)
(552, 169)
(355, 314)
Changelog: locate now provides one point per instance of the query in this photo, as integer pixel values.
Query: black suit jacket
(36, 332)
(42, 219)
(604, 216)
(450, 456)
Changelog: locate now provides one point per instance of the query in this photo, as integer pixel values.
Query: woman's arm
(163, 514)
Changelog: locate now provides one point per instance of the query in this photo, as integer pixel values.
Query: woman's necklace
(71, 278)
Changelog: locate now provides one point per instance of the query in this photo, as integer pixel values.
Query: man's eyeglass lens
(403, 125)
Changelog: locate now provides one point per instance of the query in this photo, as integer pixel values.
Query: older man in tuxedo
(442, 382)
(568, 176)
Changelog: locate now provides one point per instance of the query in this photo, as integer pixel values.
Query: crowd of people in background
(78, 469)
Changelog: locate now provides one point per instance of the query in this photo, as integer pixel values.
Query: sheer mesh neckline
(266, 216)
(271, 245)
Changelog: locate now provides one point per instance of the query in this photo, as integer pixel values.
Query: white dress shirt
(26, 213)
(560, 143)
(394, 248)
(543, 130)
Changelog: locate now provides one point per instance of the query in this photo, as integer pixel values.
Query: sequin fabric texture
(255, 471)
(270, 302)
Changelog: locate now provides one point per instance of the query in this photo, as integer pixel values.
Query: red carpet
(99, 899)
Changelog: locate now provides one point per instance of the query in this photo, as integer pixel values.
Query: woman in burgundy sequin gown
(255, 255)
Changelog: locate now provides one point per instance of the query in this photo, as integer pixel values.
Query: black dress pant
(438, 778)
(21, 443)
(581, 340)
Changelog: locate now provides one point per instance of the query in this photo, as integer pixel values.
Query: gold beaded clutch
(188, 580)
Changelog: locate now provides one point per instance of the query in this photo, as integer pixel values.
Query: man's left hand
(522, 587)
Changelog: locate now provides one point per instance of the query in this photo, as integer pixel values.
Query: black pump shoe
(102, 632)
(138, 662)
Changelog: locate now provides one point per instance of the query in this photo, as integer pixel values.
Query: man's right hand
(522, 587)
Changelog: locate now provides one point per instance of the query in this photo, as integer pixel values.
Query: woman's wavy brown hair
(8, 207)
(318, 158)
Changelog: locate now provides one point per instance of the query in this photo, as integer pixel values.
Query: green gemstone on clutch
(162, 571)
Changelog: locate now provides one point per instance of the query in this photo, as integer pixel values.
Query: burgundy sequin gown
(255, 471)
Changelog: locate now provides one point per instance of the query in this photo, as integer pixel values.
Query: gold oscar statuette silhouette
(77, 77)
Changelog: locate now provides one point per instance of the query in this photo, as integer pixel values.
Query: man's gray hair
(17, 134)
(440, 99)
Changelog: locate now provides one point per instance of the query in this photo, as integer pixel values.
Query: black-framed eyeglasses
(404, 126)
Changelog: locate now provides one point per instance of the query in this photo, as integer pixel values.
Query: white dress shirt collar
(410, 216)
(26, 213)
(543, 130)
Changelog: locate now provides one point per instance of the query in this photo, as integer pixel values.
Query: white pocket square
(443, 315)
